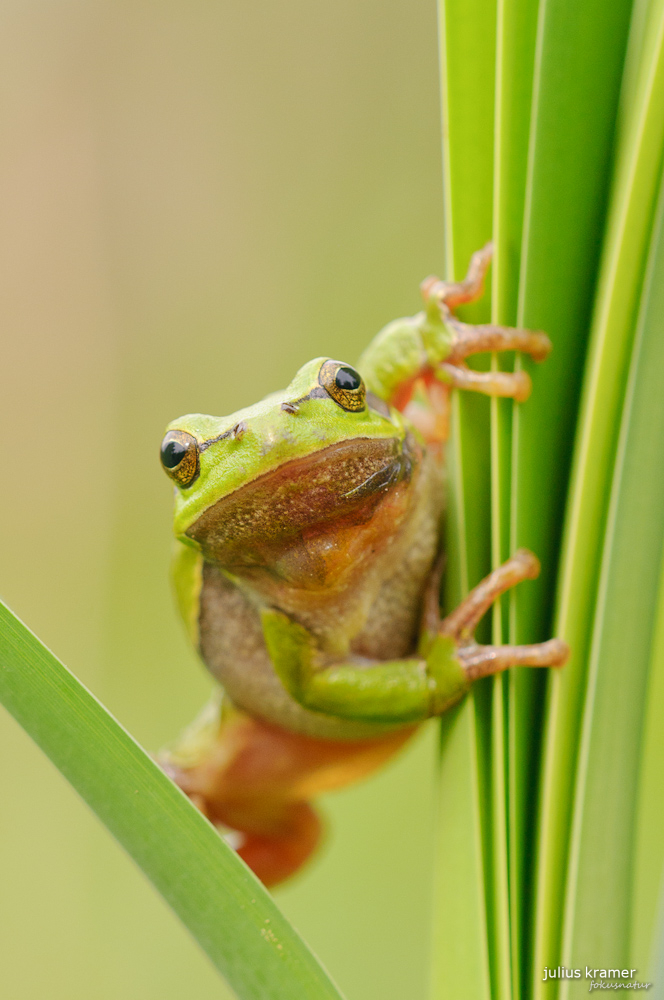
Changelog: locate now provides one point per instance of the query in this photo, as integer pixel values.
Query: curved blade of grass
(461, 945)
(636, 177)
(597, 912)
(215, 895)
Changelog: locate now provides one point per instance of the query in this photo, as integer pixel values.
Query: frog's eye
(179, 457)
(344, 385)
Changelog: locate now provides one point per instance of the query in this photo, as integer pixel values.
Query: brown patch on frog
(298, 524)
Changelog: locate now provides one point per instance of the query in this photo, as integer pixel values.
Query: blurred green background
(196, 198)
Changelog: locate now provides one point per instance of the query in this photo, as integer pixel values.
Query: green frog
(307, 571)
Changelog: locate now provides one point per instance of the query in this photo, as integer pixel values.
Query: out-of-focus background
(195, 199)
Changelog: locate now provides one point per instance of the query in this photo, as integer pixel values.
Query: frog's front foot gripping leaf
(415, 688)
(442, 297)
(432, 347)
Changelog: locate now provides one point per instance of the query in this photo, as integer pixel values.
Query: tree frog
(307, 567)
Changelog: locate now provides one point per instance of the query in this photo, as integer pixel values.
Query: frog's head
(315, 453)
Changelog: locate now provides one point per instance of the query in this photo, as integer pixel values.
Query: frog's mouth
(312, 500)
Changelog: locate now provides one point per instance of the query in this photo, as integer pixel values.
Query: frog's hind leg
(255, 780)
(480, 661)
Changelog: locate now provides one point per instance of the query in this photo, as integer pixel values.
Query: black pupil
(172, 453)
(348, 379)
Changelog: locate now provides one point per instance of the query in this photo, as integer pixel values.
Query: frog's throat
(338, 487)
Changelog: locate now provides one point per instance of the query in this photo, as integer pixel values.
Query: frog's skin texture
(307, 572)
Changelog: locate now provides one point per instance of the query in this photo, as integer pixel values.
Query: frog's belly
(233, 648)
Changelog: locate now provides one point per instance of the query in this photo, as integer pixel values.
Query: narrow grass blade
(461, 944)
(597, 912)
(657, 962)
(500, 929)
(468, 33)
(631, 210)
(515, 53)
(646, 908)
(460, 951)
(467, 58)
(515, 58)
(217, 898)
(578, 60)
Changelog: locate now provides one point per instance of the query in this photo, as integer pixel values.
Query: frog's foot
(468, 339)
(480, 661)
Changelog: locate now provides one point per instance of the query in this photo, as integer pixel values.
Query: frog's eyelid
(374, 402)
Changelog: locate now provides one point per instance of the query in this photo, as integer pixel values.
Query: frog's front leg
(413, 363)
(414, 688)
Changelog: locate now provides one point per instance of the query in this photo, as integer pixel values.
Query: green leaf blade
(460, 949)
(630, 218)
(515, 55)
(462, 939)
(217, 898)
(597, 917)
(648, 847)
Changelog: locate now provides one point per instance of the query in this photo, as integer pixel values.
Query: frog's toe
(456, 293)
(510, 385)
(481, 661)
(461, 623)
